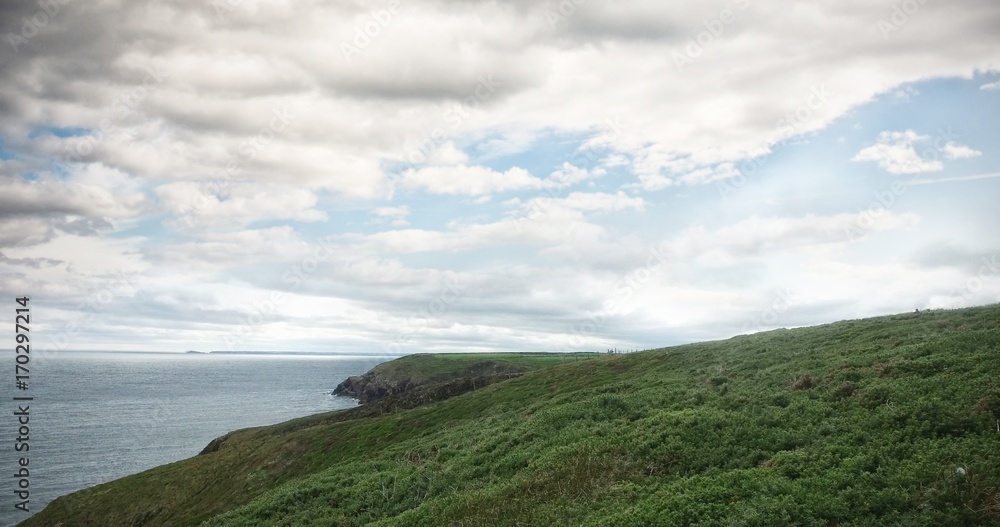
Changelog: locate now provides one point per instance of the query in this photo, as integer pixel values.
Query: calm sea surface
(100, 416)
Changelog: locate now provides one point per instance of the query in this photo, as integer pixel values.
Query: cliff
(427, 371)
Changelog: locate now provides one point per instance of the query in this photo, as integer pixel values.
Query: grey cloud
(598, 22)
(962, 258)
(34, 263)
(426, 85)
(46, 198)
(18, 232)
(83, 226)
(32, 212)
(437, 71)
(178, 313)
(80, 41)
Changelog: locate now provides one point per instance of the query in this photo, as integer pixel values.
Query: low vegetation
(876, 422)
(452, 373)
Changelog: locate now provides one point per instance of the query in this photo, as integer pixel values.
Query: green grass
(857, 423)
(424, 368)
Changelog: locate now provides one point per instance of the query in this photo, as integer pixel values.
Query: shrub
(844, 391)
(804, 382)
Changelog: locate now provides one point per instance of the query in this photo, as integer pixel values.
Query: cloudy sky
(430, 175)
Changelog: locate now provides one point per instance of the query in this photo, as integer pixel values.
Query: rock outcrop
(373, 385)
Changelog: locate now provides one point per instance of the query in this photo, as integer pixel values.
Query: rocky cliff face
(373, 386)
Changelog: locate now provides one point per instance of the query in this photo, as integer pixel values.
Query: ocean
(99, 416)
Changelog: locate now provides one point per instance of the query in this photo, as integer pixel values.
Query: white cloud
(926, 181)
(448, 154)
(471, 180)
(569, 174)
(16, 232)
(394, 216)
(756, 236)
(991, 86)
(659, 168)
(508, 143)
(895, 153)
(706, 175)
(539, 222)
(905, 93)
(200, 206)
(957, 151)
(49, 196)
(220, 251)
(586, 202)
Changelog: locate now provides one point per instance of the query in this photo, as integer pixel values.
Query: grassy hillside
(884, 421)
(424, 368)
(426, 378)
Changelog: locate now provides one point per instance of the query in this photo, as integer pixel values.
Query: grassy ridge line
(422, 368)
(854, 423)
(462, 372)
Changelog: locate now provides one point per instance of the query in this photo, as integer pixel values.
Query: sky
(443, 176)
